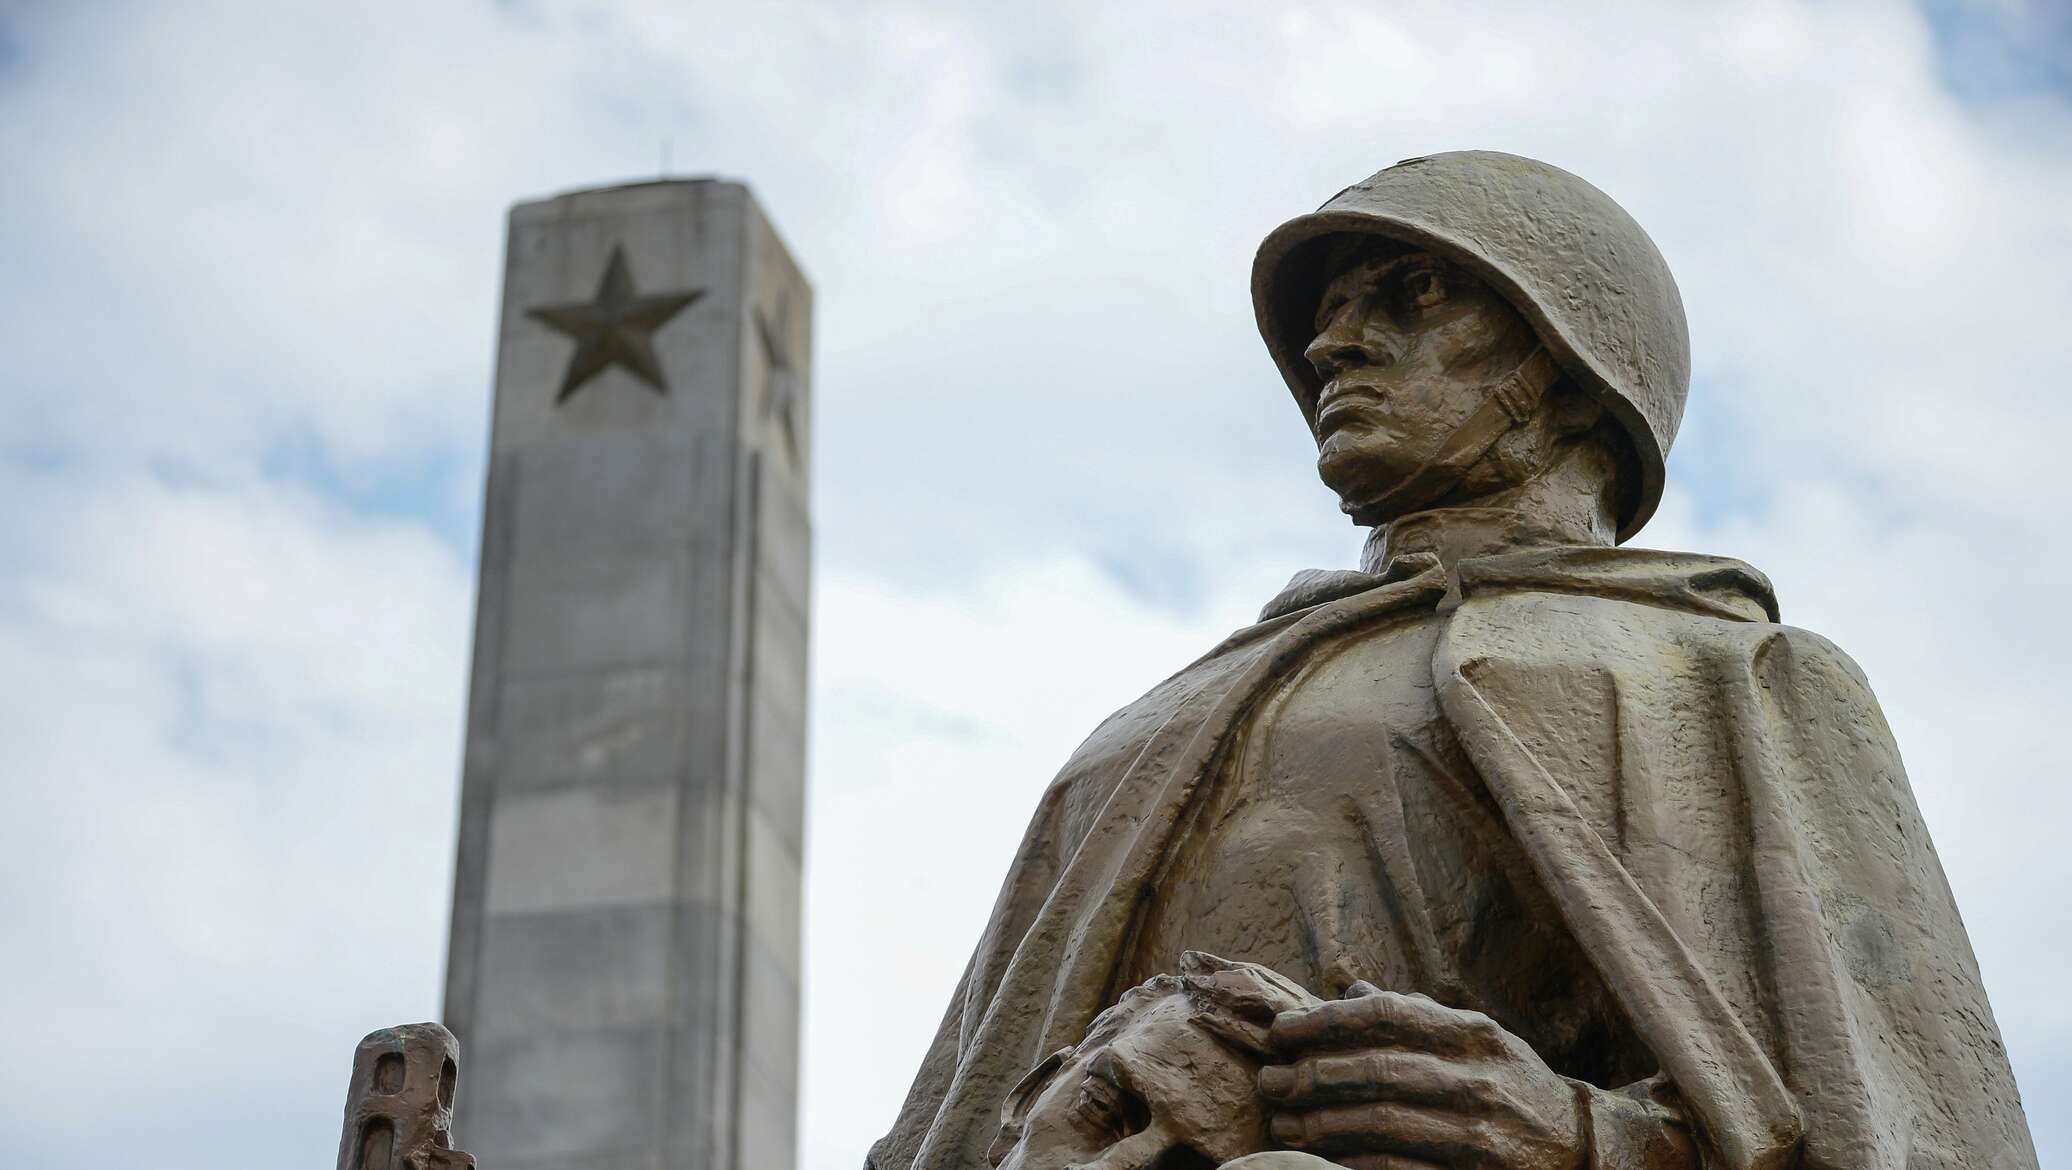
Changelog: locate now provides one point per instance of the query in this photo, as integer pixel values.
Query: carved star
(780, 379)
(617, 328)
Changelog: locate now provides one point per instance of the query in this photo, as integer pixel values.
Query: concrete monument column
(624, 962)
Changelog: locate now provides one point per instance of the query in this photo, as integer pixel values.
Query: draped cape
(1712, 800)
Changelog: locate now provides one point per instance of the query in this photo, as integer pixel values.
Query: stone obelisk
(624, 965)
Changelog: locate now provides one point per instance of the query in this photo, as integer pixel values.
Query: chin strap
(1511, 402)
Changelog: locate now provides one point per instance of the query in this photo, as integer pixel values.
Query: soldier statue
(1556, 853)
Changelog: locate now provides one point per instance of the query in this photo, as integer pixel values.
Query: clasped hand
(1384, 1081)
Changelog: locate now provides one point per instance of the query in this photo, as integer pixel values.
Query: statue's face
(1161, 1095)
(1407, 346)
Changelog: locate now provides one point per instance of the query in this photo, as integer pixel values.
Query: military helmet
(1569, 259)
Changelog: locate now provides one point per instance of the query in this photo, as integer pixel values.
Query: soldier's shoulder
(1686, 583)
(1635, 606)
(1698, 617)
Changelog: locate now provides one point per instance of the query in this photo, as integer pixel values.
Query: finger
(1360, 987)
(1385, 1018)
(1376, 1128)
(1382, 1074)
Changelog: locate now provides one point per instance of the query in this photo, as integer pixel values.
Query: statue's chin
(1356, 475)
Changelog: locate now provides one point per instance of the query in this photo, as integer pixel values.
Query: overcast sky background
(248, 266)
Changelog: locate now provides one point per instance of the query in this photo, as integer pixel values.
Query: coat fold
(1751, 878)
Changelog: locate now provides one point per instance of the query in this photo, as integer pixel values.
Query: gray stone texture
(624, 963)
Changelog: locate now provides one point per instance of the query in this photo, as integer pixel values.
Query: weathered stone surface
(625, 942)
(1593, 862)
(568, 1092)
(399, 1104)
(597, 969)
(621, 726)
(577, 848)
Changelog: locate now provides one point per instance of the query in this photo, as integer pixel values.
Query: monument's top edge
(632, 184)
(693, 186)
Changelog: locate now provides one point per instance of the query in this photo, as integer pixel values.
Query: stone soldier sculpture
(1595, 862)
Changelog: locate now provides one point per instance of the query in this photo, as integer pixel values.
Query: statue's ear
(1014, 1111)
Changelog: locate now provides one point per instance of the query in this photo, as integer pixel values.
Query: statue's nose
(1334, 352)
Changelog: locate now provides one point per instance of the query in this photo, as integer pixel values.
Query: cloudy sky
(247, 307)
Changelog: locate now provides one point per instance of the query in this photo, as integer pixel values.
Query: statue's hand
(1379, 1079)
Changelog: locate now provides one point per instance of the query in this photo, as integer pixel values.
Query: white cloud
(948, 712)
(1049, 445)
(231, 724)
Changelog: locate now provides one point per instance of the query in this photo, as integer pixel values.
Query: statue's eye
(1327, 311)
(1424, 288)
(1112, 1109)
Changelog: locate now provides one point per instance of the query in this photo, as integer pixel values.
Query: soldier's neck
(1565, 505)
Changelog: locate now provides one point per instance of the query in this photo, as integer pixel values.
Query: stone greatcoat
(1710, 801)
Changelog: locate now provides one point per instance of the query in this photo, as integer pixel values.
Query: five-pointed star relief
(617, 328)
(780, 380)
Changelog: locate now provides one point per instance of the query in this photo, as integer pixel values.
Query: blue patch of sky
(37, 455)
(13, 13)
(2044, 1075)
(46, 484)
(1988, 52)
(1159, 577)
(1708, 460)
(438, 488)
(210, 732)
(530, 11)
(1712, 467)
(196, 732)
(1041, 68)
